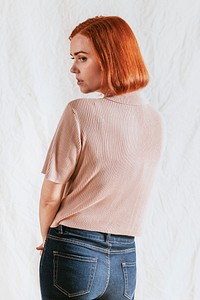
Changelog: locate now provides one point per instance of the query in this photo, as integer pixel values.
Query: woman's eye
(82, 59)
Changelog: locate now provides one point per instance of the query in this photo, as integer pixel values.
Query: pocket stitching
(124, 268)
(75, 257)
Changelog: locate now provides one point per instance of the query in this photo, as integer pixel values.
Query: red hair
(118, 54)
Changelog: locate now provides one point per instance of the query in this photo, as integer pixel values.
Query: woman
(99, 169)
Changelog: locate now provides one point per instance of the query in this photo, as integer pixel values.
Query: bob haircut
(118, 53)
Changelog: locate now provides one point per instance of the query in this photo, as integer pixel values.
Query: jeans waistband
(114, 238)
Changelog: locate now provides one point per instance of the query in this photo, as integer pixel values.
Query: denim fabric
(87, 265)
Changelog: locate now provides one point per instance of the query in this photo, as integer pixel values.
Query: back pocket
(129, 271)
(73, 274)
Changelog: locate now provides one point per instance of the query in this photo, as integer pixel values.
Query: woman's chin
(86, 90)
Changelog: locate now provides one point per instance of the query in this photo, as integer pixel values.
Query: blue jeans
(87, 265)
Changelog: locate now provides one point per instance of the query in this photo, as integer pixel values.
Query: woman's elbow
(51, 192)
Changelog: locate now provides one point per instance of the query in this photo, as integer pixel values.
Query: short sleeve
(64, 150)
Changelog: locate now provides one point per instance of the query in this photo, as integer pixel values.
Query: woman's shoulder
(81, 105)
(78, 101)
(152, 110)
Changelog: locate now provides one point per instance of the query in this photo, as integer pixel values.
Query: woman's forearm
(47, 214)
(50, 199)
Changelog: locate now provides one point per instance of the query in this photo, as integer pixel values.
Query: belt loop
(107, 237)
(60, 229)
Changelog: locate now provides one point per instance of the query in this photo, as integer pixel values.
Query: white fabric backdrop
(35, 87)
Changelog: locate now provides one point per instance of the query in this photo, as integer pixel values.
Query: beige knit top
(106, 151)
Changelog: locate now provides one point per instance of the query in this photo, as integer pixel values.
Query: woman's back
(116, 149)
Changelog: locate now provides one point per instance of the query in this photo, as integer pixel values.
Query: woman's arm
(50, 199)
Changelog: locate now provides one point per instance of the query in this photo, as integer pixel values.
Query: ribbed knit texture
(107, 151)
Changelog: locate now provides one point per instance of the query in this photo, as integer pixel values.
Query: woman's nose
(74, 69)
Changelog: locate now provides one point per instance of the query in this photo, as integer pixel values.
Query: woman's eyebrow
(76, 53)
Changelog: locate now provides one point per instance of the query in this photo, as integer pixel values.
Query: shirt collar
(133, 98)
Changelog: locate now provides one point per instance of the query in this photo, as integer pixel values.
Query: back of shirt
(106, 151)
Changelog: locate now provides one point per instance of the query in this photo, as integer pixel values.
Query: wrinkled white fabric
(36, 86)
